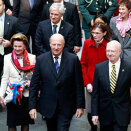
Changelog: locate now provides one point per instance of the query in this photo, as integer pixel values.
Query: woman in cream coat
(14, 91)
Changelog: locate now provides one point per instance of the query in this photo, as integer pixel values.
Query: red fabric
(91, 55)
(117, 10)
(26, 62)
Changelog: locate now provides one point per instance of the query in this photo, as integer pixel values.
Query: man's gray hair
(58, 6)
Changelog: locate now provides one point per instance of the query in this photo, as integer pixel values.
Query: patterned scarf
(26, 63)
(122, 30)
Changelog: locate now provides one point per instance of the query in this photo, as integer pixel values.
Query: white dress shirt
(59, 59)
(2, 20)
(58, 26)
(117, 66)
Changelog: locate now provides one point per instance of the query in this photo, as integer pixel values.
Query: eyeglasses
(95, 33)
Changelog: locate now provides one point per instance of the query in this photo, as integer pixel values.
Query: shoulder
(43, 56)
(7, 56)
(70, 56)
(44, 22)
(102, 64)
(66, 24)
(13, 18)
(31, 55)
(69, 5)
(126, 62)
(114, 18)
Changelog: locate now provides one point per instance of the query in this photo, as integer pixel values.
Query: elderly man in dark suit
(62, 91)
(111, 91)
(9, 25)
(71, 16)
(54, 25)
(29, 14)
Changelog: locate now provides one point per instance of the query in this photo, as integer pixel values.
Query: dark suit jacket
(11, 27)
(64, 90)
(26, 15)
(71, 16)
(8, 5)
(104, 104)
(44, 32)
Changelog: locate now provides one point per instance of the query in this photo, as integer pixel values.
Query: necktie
(56, 64)
(113, 79)
(54, 29)
(1, 35)
(31, 3)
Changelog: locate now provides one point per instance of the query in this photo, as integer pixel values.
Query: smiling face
(55, 16)
(113, 51)
(97, 34)
(19, 47)
(124, 12)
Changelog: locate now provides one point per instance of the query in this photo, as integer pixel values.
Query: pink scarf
(122, 30)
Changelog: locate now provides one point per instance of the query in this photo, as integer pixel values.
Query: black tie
(56, 64)
(54, 29)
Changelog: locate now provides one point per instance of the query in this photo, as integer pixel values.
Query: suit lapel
(120, 76)
(6, 24)
(127, 37)
(61, 64)
(49, 27)
(106, 75)
(52, 65)
(61, 28)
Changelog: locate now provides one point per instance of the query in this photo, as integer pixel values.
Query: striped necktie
(113, 79)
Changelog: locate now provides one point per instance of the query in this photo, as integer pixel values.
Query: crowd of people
(41, 72)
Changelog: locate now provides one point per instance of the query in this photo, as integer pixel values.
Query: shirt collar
(59, 57)
(2, 17)
(116, 64)
(92, 43)
(58, 24)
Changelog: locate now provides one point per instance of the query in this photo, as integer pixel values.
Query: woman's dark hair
(103, 29)
(127, 3)
(102, 17)
(19, 37)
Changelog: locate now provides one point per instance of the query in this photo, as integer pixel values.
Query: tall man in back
(62, 91)
(71, 16)
(54, 25)
(111, 91)
(28, 12)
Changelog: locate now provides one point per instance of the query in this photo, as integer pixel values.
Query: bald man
(62, 89)
(111, 91)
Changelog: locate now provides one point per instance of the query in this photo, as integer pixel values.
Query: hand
(2, 102)
(89, 88)
(95, 120)
(77, 49)
(9, 12)
(28, 83)
(92, 22)
(33, 114)
(79, 113)
(6, 43)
